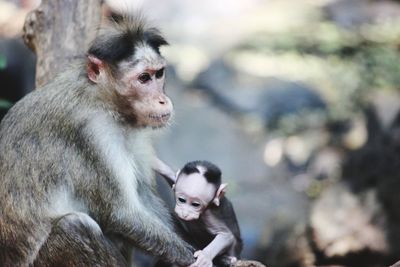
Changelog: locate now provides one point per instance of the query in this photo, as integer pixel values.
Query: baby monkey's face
(192, 195)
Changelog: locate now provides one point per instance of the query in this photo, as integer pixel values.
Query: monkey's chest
(199, 233)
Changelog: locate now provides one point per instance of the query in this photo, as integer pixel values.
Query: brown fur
(67, 197)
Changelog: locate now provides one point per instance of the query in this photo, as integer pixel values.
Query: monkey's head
(125, 63)
(197, 186)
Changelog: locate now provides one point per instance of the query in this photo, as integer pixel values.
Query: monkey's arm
(164, 170)
(224, 239)
(152, 234)
(221, 242)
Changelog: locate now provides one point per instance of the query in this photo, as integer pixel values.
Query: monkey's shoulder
(225, 214)
(55, 103)
(49, 95)
(225, 208)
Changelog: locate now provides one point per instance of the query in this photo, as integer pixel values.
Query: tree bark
(59, 32)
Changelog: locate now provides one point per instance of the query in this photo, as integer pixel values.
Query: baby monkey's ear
(220, 193)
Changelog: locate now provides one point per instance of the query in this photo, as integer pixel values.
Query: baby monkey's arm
(223, 241)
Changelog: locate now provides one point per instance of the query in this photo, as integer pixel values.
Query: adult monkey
(76, 179)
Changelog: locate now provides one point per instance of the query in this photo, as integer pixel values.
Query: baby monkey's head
(198, 184)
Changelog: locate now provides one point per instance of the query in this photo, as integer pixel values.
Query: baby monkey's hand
(202, 260)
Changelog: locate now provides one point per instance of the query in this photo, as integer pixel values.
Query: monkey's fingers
(197, 253)
(201, 260)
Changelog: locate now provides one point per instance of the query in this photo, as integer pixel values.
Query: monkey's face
(144, 88)
(193, 194)
(136, 87)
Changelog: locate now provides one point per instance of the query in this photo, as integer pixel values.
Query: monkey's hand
(202, 260)
(233, 259)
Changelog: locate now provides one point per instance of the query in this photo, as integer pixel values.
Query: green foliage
(344, 65)
(3, 62)
(4, 104)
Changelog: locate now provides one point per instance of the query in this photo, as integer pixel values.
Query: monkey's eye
(195, 204)
(144, 77)
(181, 200)
(160, 73)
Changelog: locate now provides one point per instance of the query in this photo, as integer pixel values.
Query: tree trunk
(58, 32)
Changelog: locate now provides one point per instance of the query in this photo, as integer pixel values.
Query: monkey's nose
(184, 215)
(162, 100)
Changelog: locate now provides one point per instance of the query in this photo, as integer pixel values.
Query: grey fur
(48, 153)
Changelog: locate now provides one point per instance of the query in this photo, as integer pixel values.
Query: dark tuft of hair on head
(212, 174)
(154, 38)
(117, 41)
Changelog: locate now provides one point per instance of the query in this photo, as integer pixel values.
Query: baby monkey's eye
(160, 73)
(195, 204)
(181, 200)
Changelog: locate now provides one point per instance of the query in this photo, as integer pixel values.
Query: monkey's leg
(77, 240)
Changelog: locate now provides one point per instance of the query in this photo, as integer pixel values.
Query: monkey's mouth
(160, 118)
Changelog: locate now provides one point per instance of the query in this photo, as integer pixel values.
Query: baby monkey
(207, 217)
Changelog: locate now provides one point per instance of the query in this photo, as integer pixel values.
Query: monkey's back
(36, 139)
(41, 140)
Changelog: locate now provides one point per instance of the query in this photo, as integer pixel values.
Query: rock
(356, 222)
(268, 98)
(343, 222)
(353, 13)
(286, 244)
(397, 264)
(248, 263)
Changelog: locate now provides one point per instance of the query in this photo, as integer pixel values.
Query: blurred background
(296, 101)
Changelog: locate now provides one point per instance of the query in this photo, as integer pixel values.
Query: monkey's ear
(220, 193)
(94, 67)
